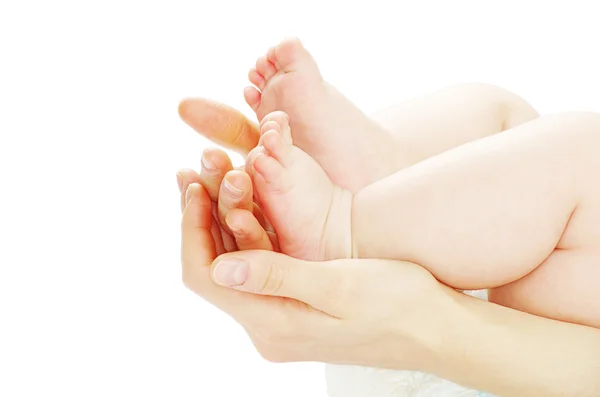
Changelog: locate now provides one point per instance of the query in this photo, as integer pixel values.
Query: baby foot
(310, 215)
(352, 148)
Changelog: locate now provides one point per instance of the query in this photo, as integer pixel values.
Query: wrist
(447, 336)
(433, 331)
(420, 334)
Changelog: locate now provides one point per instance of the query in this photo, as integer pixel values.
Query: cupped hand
(345, 311)
(238, 222)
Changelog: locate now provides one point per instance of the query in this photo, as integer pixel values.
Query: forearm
(513, 354)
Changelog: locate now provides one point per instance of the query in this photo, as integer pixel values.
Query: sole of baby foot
(311, 216)
(353, 149)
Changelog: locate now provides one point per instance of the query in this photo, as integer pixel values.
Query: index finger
(220, 123)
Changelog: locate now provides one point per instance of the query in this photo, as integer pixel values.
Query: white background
(91, 302)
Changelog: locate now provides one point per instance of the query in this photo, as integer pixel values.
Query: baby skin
(288, 79)
(297, 196)
(482, 215)
(518, 211)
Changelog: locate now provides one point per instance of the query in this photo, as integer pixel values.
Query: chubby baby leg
(519, 211)
(565, 285)
(489, 212)
(431, 124)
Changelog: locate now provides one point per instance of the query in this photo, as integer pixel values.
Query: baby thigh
(565, 286)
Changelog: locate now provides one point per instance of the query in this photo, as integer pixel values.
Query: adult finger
(220, 123)
(215, 164)
(223, 241)
(322, 285)
(235, 192)
(198, 252)
(197, 244)
(248, 233)
(185, 177)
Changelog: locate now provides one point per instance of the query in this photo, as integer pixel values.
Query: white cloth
(350, 381)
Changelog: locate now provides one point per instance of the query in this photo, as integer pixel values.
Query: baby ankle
(338, 227)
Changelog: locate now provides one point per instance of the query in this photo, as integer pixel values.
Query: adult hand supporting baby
(384, 314)
(285, 315)
(328, 311)
(369, 312)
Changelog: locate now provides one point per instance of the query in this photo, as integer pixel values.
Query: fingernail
(180, 181)
(231, 272)
(190, 192)
(232, 190)
(207, 164)
(238, 233)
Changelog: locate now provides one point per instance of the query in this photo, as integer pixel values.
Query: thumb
(318, 284)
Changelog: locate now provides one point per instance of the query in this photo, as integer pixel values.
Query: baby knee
(512, 109)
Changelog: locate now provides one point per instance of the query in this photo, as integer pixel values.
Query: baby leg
(489, 212)
(422, 127)
(418, 129)
(442, 120)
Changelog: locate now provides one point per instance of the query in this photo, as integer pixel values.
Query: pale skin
(391, 315)
(528, 182)
(284, 332)
(547, 341)
(491, 211)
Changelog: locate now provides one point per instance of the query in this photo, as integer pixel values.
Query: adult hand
(384, 314)
(316, 318)
(332, 312)
(230, 128)
(239, 223)
(370, 312)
